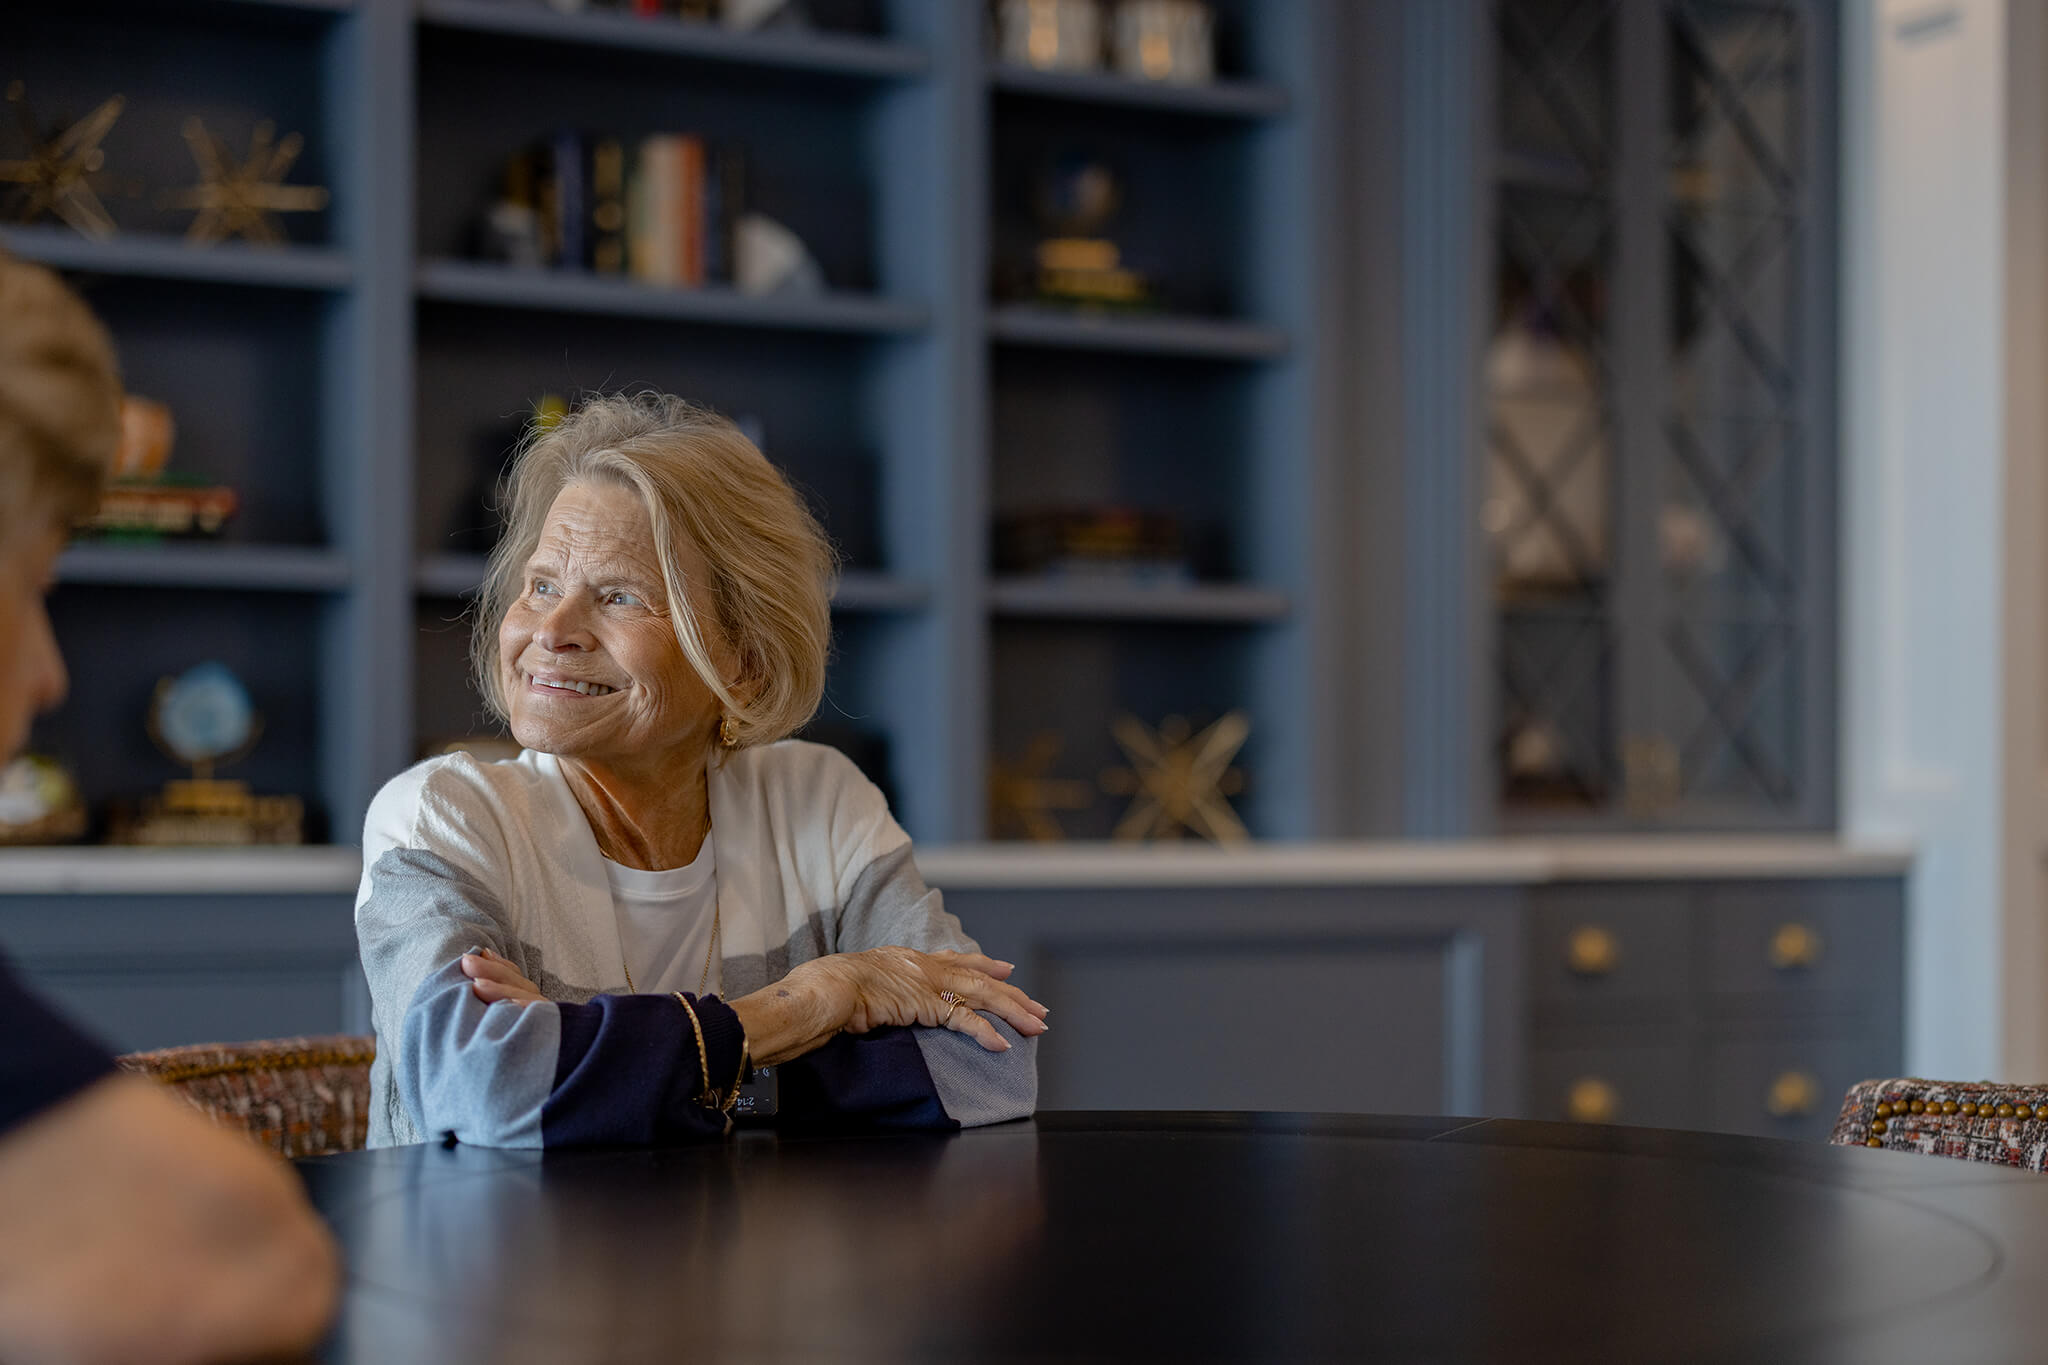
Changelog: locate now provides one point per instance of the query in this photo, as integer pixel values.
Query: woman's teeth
(588, 689)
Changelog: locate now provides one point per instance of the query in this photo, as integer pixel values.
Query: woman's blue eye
(625, 599)
(542, 587)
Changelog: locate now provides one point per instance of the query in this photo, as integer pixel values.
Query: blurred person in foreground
(596, 941)
(131, 1229)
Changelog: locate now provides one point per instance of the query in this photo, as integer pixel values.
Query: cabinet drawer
(1787, 1087)
(1644, 1086)
(1833, 943)
(1600, 946)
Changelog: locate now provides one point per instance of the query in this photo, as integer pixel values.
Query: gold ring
(952, 1003)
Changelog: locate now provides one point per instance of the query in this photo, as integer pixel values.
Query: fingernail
(1005, 1042)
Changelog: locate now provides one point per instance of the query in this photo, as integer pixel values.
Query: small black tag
(758, 1096)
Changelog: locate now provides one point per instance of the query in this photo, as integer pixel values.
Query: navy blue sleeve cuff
(44, 1059)
(627, 1072)
(875, 1080)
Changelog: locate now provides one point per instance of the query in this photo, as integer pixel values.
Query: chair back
(297, 1096)
(2006, 1125)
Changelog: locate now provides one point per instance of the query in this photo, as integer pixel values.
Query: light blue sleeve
(481, 1072)
(445, 1061)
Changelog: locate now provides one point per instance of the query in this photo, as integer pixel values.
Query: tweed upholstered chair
(2006, 1125)
(297, 1096)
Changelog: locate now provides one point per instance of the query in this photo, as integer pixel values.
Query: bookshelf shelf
(259, 568)
(448, 575)
(880, 593)
(494, 286)
(313, 6)
(1211, 338)
(1224, 99)
(1222, 603)
(829, 54)
(169, 258)
(458, 575)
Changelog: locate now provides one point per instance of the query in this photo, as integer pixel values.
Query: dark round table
(1186, 1237)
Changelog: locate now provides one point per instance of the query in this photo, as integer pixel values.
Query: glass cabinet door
(1655, 444)
(1548, 428)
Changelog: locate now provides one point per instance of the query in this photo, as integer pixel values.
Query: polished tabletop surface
(1191, 1237)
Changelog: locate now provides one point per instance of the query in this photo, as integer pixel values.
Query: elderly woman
(136, 1230)
(595, 941)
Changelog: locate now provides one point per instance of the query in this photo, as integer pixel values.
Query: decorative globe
(205, 714)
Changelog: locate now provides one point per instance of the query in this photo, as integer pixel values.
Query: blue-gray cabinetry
(1743, 1006)
(152, 949)
(1670, 983)
(1396, 981)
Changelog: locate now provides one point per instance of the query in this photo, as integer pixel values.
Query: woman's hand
(859, 992)
(494, 980)
(893, 985)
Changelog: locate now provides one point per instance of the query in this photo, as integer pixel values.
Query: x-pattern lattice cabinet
(1657, 433)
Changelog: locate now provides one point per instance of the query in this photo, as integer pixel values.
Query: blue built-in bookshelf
(361, 386)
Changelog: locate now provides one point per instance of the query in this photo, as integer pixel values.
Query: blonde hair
(770, 566)
(60, 401)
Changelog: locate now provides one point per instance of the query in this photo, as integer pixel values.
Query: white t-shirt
(666, 922)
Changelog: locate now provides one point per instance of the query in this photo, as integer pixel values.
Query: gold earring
(729, 732)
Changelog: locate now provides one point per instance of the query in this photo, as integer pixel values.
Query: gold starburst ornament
(1180, 781)
(243, 199)
(1022, 798)
(57, 176)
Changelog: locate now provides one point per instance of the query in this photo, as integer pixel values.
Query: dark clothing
(43, 1058)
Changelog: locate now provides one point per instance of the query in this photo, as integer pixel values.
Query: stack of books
(660, 209)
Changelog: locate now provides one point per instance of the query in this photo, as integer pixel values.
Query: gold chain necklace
(703, 977)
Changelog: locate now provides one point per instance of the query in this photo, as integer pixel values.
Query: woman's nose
(564, 628)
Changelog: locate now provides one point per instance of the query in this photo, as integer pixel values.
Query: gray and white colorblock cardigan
(461, 854)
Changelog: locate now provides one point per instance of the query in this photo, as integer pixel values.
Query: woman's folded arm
(612, 1069)
(889, 903)
(615, 1070)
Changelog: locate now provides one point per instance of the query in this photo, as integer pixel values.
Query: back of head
(60, 401)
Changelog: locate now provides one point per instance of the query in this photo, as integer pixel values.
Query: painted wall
(1941, 599)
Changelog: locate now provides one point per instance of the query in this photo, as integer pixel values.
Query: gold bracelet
(722, 1101)
(703, 1059)
(740, 1077)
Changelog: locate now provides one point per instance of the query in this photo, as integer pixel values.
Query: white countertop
(1388, 862)
(334, 870)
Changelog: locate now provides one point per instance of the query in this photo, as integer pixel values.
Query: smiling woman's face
(593, 670)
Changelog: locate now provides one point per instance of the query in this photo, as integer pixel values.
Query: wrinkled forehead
(598, 528)
(598, 524)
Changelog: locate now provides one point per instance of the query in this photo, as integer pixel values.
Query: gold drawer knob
(1793, 1095)
(1795, 946)
(1592, 1100)
(1592, 951)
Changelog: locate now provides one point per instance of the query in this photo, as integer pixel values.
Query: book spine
(643, 213)
(607, 206)
(571, 200)
(547, 200)
(718, 217)
(691, 211)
